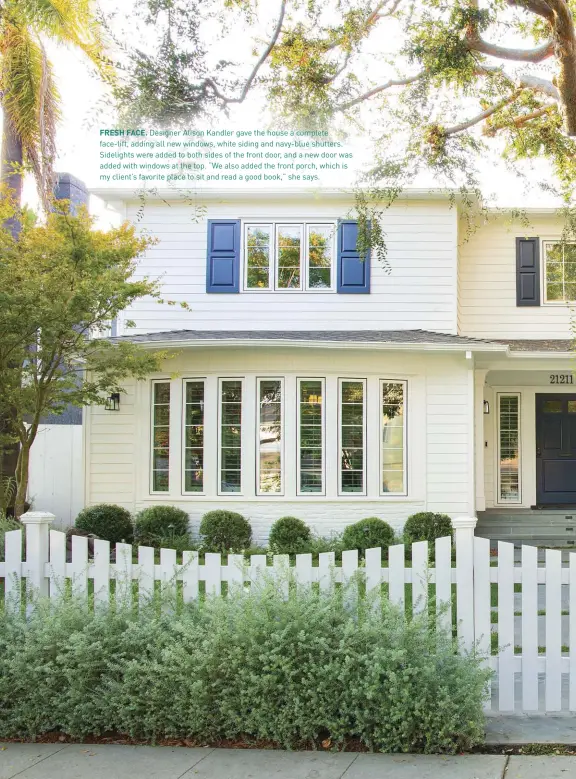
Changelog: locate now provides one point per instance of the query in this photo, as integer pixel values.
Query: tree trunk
(22, 480)
(10, 168)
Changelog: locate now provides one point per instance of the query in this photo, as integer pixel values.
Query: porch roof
(540, 345)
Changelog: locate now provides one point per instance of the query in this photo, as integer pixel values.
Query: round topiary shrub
(289, 534)
(367, 534)
(161, 521)
(427, 526)
(107, 521)
(223, 531)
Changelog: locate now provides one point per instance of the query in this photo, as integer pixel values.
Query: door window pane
(258, 256)
(160, 436)
(289, 256)
(552, 406)
(310, 450)
(194, 437)
(392, 439)
(320, 255)
(230, 436)
(270, 436)
(351, 436)
(509, 448)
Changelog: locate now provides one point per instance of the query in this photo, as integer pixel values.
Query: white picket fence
(530, 643)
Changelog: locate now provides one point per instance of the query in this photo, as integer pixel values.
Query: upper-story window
(559, 271)
(289, 256)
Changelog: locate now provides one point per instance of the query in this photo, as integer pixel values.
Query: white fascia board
(542, 355)
(364, 345)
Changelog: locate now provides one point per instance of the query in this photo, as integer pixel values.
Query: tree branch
(367, 95)
(522, 79)
(458, 128)
(518, 121)
(538, 54)
(265, 54)
(538, 7)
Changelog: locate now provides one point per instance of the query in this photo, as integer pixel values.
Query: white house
(305, 380)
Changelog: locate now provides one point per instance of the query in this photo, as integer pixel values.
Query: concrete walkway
(51, 761)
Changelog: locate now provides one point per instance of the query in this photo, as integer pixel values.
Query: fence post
(37, 524)
(464, 541)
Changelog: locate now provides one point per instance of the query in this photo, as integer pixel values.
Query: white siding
(487, 284)
(439, 408)
(419, 291)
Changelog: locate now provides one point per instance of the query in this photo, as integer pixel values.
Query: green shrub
(367, 534)
(107, 521)
(291, 672)
(161, 521)
(224, 531)
(289, 534)
(427, 526)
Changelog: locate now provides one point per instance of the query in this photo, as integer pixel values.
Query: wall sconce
(113, 402)
(486, 407)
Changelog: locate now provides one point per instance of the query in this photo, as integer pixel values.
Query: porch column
(479, 438)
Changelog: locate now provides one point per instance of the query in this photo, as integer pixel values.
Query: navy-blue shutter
(223, 261)
(527, 272)
(353, 270)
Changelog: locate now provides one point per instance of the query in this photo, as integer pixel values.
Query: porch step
(557, 526)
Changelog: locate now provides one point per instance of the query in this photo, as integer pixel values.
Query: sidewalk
(51, 761)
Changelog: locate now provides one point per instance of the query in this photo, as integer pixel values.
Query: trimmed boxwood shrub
(289, 534)
(367, 534)
(427, 526)
(161, 521)
(108, 521)
(330, 673)
(223, 530)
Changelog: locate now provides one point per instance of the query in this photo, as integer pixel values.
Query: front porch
(525, 444)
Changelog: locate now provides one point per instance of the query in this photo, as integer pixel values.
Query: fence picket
(326, 563)
(79, 567)
(124, 575)
(396, 584)
(374, 575)
(145, 575)
(101, 574)
(168, 571)
(420, 577)
(212, 562)
(349, 568)
(553, 629)
(235, 573)
(13, 569)
(281, 565)
(190, 576)
(482, 605)
(303, 572)
(506, 626)
(529, 628)
(257, 570)
(572, 629)
(443, 574)
(57, 566)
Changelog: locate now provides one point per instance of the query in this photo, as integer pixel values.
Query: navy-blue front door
(555, 449)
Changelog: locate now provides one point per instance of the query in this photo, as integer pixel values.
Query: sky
(82, 114)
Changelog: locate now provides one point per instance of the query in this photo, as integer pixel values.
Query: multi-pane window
(393, 451)
(352, 437)
(270, 436)
(310, 436)
(289, 256)
(560, 271)
(194, 437)
(160, 436)
(509, 448)
(230, 435)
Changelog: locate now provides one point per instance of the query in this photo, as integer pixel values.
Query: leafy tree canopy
(60, 285)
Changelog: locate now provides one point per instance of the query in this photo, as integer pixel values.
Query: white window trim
(404, 383)
(274, 224)
(544, 287)
(188, 380)
(219, 491)
(260, 379)
(341, 491)
(299, 381)
(499, 501)
(151, 404)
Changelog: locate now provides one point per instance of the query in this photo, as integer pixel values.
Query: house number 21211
(561, 378)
